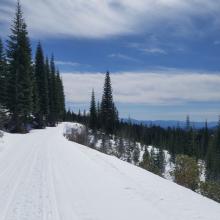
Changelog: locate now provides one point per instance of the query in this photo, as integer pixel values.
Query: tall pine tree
(42, 86)
(19, 89)
(93, 112)
(3, 95)
(60, 97)
(108, 109)
(52, 94)
(36, 106)
(3, 74)
(213, 157)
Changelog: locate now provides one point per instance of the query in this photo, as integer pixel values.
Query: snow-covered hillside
(44, 176)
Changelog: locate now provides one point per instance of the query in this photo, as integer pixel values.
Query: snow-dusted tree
(136, 155)
(120, 147)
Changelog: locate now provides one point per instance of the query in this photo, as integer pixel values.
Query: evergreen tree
(36, 106)
(3, 75)
(108, 110)
(60, 97)
(93, 112)
(204, 142)
(41, 85)
(148, 162)
(188, 123)
(155, 162)
(98, 115)
(161, 160)
(28, 91)
(136, 155)
(48, 75)
(186, 172)
(52, 118)
(79, 116)
(213, 157)
(189, 139)
(3, 84)
(120, 147)
(115, 116)
(210, 190)
(19, 89)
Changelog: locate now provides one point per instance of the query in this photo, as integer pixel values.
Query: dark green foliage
(160, 160)
(98, 115)
(204, 141)
(3, 75)
(3, 86)
(36, 105)
(19, 88)
(93, 112)
(148, 162)
(60, 97)
(56, 94)
(108, 111)
(213, 157)
(186, 172)
(32, 94)
(70, 116)
(41, 86)
(52, 94)
(210, 190)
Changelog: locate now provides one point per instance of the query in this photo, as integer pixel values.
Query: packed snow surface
(43, 176)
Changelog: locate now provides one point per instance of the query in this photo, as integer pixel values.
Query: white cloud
(104, 18)
(123, 57)
(67, 63)
(154, 51)
(167, 87)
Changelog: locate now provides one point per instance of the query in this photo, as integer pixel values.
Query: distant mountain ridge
(171, 123)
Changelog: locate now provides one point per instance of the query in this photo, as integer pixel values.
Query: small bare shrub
(77, 135)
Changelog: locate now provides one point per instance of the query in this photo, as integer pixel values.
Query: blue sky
(164, 55)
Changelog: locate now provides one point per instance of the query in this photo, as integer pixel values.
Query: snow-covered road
(45, 177)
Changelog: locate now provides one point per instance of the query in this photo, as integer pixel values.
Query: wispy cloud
(165, 87)
(67, 63)
(217, 42)
(106, 18)
(154, 51)
(123, 57)
(152, 46)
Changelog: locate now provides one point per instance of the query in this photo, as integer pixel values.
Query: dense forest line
(31, 93)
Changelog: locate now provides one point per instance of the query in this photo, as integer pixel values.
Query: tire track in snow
(55, 214)
(9, 158)
(34, 199)
(15, 181)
